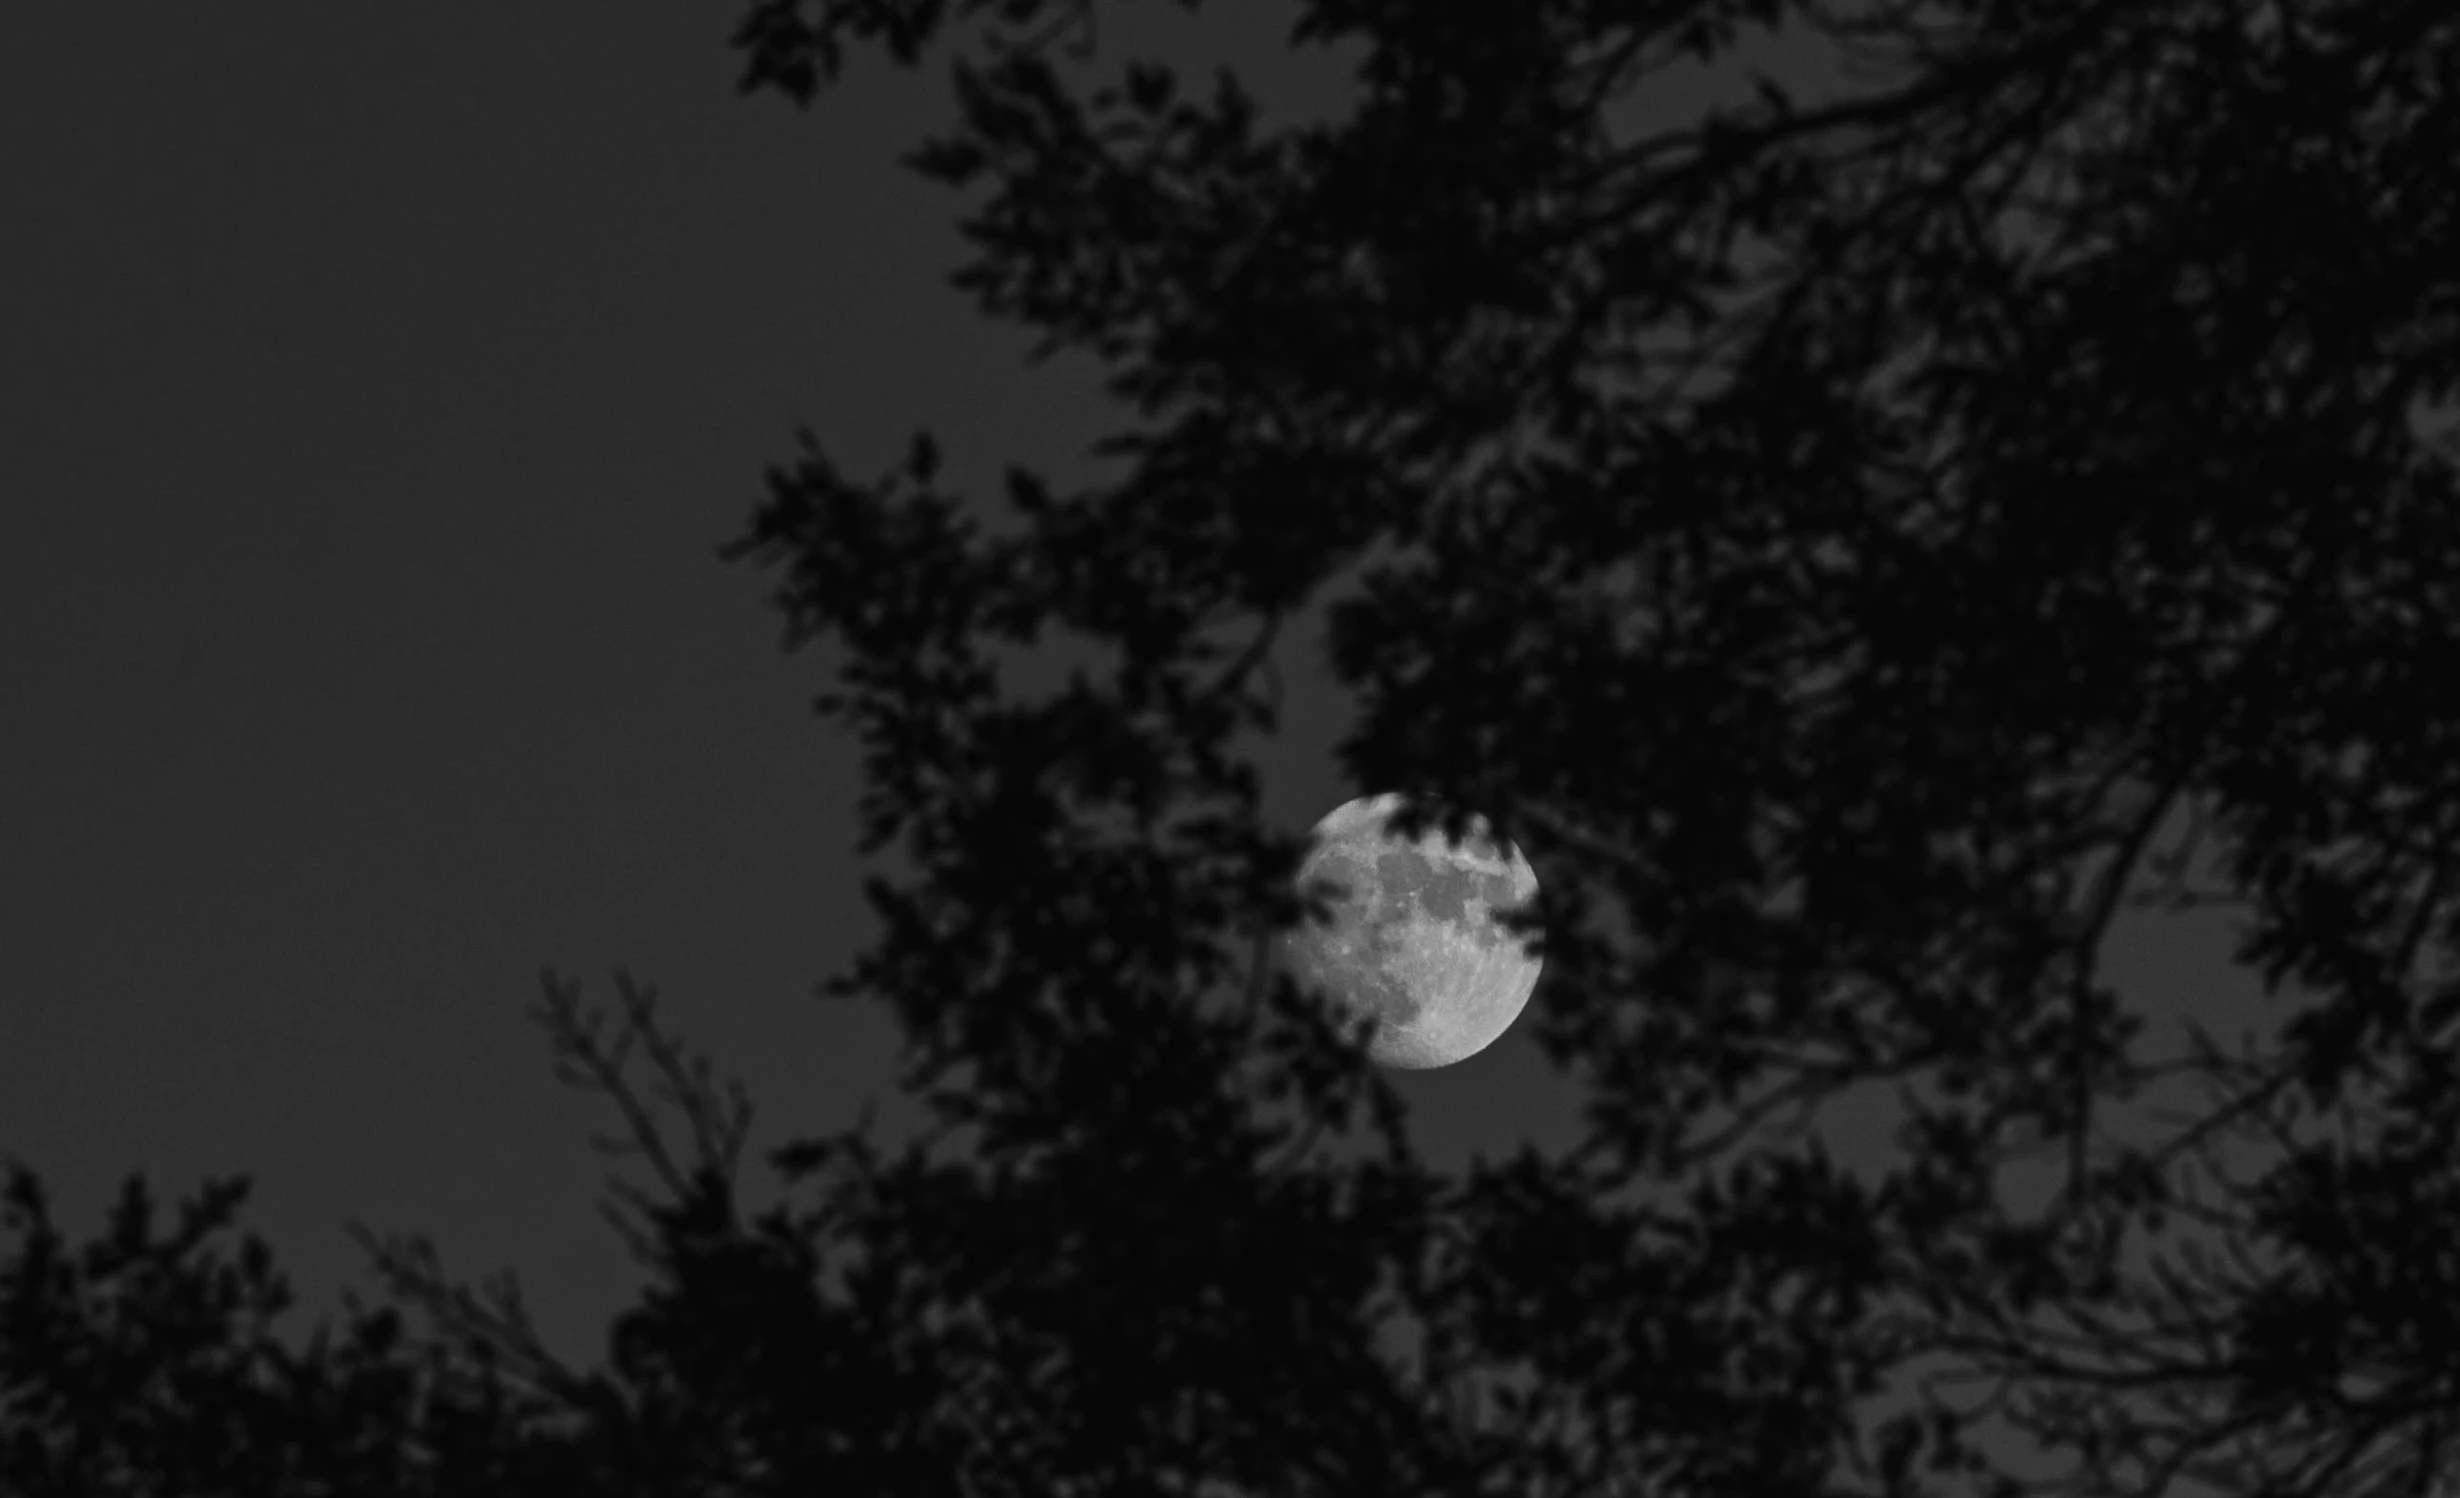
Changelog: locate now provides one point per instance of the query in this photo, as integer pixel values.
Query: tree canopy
(1834, 540)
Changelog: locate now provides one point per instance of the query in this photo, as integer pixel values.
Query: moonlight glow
(1413, 942)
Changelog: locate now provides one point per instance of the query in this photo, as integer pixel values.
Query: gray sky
(379, 384)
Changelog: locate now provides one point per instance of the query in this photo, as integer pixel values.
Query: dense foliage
(1834, 539)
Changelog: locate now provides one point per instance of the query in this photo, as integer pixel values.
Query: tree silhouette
(147, 1365)
(1834, 540)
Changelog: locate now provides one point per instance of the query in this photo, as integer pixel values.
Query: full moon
(1413, 942)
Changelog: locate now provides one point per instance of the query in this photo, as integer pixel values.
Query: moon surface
(1413, 942)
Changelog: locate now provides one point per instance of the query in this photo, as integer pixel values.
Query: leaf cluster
(1836, 540)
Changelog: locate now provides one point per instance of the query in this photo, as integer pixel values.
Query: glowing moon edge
(1413, 945)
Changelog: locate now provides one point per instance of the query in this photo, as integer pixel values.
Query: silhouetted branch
(718, 1128)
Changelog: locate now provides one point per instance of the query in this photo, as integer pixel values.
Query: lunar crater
(1414, 941)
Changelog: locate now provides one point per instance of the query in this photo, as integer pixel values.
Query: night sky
(380, 383)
